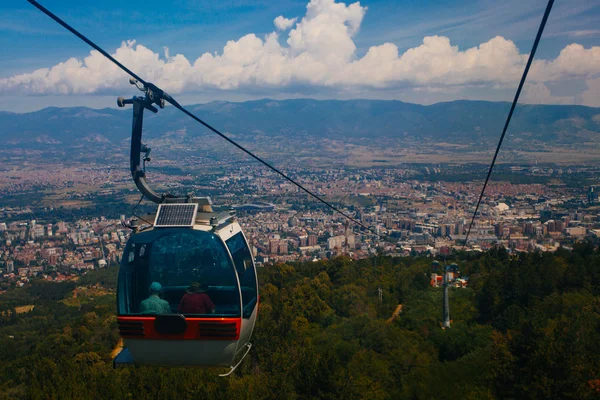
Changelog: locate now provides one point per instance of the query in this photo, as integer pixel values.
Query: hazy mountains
(459, 122)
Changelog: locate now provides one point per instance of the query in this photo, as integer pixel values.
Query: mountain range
(457, 122)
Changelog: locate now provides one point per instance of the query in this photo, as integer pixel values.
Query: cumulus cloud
(573, 61)
(538, 93)
(591, 96)
(283, 24)
(320, 52)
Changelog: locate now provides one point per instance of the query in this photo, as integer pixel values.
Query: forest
(527, 327)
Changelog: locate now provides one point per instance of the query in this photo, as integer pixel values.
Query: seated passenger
(154, 304)
(196, 301)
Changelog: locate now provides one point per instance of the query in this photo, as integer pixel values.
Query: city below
(413, 210)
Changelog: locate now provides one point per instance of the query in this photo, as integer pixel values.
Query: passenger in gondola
(196, 301)
(154, 304)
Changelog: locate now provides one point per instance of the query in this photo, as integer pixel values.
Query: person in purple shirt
(196, 301)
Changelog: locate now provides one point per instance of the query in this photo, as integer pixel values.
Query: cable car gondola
(187, 289)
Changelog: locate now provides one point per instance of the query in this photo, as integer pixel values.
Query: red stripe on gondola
(197, 329)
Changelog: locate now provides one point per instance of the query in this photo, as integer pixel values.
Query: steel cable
(512, 109)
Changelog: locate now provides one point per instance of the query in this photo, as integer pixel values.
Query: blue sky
(32, 41)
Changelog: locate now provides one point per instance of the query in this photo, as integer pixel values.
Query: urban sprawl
(281, 223)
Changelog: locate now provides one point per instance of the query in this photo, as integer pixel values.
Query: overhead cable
(512, 109)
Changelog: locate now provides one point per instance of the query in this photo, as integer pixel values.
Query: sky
(421, 51)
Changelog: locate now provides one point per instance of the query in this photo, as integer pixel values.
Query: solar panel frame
(176, 215)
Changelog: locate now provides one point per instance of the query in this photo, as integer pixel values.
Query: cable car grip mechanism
(153, 96)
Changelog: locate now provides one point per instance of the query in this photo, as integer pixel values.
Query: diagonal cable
(316, 196)
(512, 109)
(171, 100)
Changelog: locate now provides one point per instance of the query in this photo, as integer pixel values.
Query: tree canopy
(528, 326)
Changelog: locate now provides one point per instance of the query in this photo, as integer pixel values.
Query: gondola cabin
(187, 291)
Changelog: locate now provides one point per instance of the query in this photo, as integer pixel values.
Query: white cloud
(591, 96)
(283, 24)
(319, 52)
(326, 30)
(538, 93)
(573, 61)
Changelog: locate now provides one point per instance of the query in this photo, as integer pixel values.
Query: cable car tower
(446, 269)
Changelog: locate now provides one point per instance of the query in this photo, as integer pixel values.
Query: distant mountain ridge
(460, 122)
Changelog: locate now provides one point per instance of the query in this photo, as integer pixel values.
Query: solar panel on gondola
(175, 215)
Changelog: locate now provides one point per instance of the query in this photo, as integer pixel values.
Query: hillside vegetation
(527, 327)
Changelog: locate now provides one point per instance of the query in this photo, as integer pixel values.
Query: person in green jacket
(154, 304)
